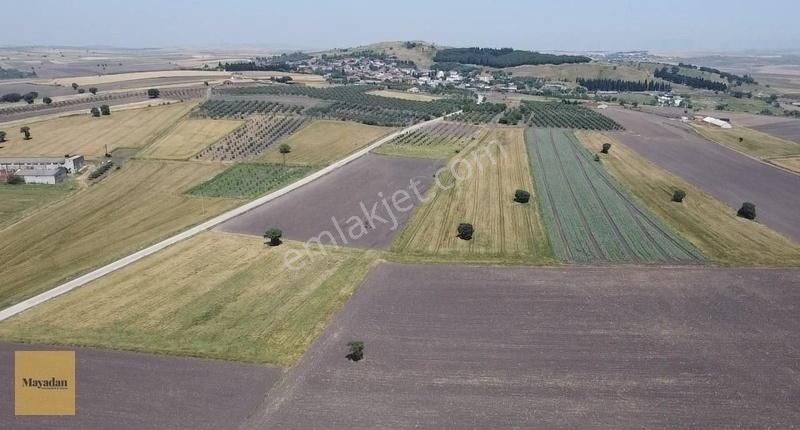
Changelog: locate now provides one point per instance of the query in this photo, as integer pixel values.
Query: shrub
(105, 110)
(26, 131)
(93, 90)
(355, 350)
(748, 210)
(606, 147)
(274, 236)
(2, 136)
(153, 93)
(47, 100)
(678, 196)
(596, 157)
(74, 86)
(522, 196)
(95, 111)
(15, 180)
(98, 172)
(81, 91)
(465, 231)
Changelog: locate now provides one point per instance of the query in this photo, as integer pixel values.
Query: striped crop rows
(589, 217)
(252, 138)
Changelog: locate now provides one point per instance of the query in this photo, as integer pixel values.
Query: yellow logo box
(44, 382)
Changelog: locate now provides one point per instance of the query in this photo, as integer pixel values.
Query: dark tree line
(746, 79)
(505, 57)
(253, 66)
(620, 85)
(673, 75)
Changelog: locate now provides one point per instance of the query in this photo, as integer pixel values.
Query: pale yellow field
(132, 208)
(133, 76)
(324, 141)
(189, 138)
(709, 224)
(215, 295)
(570, 72)
(405, 95)
(84, 134)
(504, 230)
(791, 163)
(754, 143)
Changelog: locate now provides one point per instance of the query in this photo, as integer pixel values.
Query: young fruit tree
(748, 210)
(678, 196)
(47, 100)
(273, 235)
(356, 350)
(284, 149)
(2, 136)
(95, 112)
(74, 86)
(465, 231)
(26, 131)
(93, 90)
(522, 196)
(606, 147)
(105, 110)
(153, 93)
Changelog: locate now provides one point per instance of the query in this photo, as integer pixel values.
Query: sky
(568, 25)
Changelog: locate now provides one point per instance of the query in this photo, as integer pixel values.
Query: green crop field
(588, 215)
(250, 180)
(16, 201)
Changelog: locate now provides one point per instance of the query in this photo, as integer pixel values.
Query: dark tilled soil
(789, 130)
(484, 347)
(123, 390)
(307, 212)
(726, 174)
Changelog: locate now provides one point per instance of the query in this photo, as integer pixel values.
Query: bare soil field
(725, 174)
(469, 347)
(405, 95)
(789, 130)
(83, 134)
(138, 391)
(324, 141)
(190, 137)
(308, 212)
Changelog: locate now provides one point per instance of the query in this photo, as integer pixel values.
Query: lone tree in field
(465, 231)
(47, 100)
(741, 139)
(95, 112)
(81, 91)
(2, 136)
(93, 90)
(74, 86)
(284, 149)
(274, 237)
(153, 93)
(596, 157)
(522, 196)
(748, 210)
(678, 196)
(606, 147)
(26, 131)
(355, 350)
(28, 98)
(105, 110)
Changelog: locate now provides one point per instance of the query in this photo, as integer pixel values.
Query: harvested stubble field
(216, 295)
(322, 142)
(491, 170)
(438, 140)
(754, 143)
(488, 347)
(252, 138)
(248, 181)
(356, 196)
(16, 201)
(83, 134)
(189, 137)
(405, 95)
(709, 224)
(233, 389)
(729, 176)
(132, 208)
(589, 217)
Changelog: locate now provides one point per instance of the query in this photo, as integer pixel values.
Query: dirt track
(124, 390)
(307, 212)
(726, 174)
(467, 347)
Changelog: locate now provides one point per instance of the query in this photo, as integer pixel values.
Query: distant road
(152, 249)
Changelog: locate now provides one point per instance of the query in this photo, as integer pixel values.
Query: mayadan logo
(46, 384)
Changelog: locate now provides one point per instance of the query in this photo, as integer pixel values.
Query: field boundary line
(193, 231)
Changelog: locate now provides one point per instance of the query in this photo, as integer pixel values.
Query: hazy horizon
(569, 25)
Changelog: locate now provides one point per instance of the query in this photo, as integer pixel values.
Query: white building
(718, 122)
(72, 164)
(49, 176)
